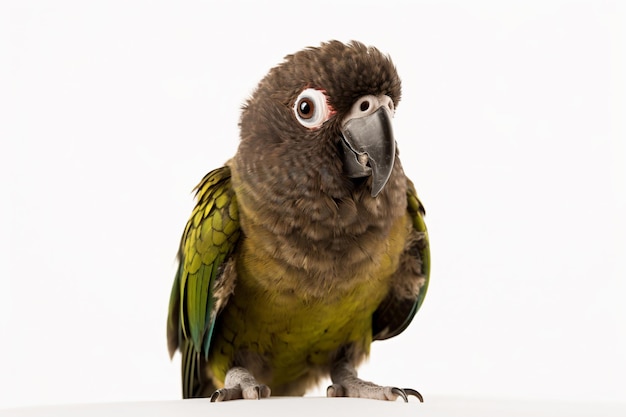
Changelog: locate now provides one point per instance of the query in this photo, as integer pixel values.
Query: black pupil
(305, 108)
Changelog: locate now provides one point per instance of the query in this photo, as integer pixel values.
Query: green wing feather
(396, 313)
(417, 212)
(208, 241)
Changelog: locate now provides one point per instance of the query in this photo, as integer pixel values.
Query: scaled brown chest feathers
(304, 218)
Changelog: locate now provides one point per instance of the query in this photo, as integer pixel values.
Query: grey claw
(335, 390)
(400, 393)
(216, 396)
(415, 393)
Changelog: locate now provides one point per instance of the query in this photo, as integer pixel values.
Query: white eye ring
(311, 108)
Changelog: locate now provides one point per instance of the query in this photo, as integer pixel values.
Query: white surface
(314, 407)
(511, 126)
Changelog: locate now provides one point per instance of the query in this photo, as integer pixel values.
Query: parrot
(308, 244)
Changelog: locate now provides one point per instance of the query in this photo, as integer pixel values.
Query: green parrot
(308, 244)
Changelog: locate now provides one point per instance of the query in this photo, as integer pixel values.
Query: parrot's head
(320, 124)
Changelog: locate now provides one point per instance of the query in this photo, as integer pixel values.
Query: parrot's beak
(369, 147)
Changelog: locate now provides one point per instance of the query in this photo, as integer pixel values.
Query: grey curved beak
(370, 147)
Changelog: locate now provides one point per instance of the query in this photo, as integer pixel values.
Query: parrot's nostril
(365, 105)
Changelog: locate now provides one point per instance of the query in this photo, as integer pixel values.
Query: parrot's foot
(347, 384)
(240, 384)
(364, 389)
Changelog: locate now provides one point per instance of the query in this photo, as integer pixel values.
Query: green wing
(397, 310)
(208, 241)
(417, 212)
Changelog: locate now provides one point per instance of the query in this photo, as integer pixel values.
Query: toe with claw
(364, 389)
(347, 384)
(240, 384)
(405, 392)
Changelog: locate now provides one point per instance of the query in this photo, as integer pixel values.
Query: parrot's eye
(311, 108)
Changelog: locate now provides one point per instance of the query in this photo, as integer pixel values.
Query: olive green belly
(289, 334)
(281, 325)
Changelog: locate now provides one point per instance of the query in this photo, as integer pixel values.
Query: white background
(511, 126)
